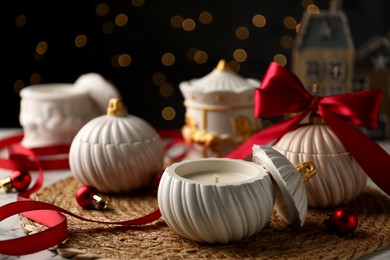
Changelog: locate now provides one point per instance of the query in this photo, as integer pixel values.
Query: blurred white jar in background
(54, 113)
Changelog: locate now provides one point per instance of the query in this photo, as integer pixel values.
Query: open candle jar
(221, 200)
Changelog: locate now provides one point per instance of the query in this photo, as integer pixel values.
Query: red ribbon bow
(281, 92)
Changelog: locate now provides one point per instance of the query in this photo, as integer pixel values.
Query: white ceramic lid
(222, 78)
(291, 198)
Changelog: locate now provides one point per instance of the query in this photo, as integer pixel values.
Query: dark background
(146, 36)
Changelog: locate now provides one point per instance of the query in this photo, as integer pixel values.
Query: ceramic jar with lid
(53, 113)
(339, 180)
(221, 200)
(117, 152)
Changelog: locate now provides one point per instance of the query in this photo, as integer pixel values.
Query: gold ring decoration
(216, 108)
(307, 169)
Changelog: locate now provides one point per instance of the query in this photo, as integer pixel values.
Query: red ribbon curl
(281, 93)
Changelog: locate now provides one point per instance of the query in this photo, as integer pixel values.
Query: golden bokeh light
(102, 9)
(289, 22)
(108, 27)
(287, 41)
(124, 60)
(313, 9)
(18, 85)
(137, 3)
(242, 33)
(234, 65)
(41, 48)
(168, 113)
(20, 21)
(168, 59)
(166, 90)
(80, 40)
(205, 17)
(259, 20)
(200, 57)
(159, 78)
(188, 24)
(176, 21)
(35, 78)
(280, 59)
(240, 55)
(121, 20)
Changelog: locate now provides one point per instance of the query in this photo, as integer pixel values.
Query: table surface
(10, 227)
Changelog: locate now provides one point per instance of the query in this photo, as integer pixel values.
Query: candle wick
(216, 178)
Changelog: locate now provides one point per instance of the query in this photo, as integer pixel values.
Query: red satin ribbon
(48, 214)
(50, 157)
(281, 92)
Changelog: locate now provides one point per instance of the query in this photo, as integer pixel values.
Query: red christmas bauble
(342, 221)
(20, 179)
(84, 195)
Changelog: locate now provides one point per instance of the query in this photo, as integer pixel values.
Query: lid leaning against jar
(219, 110)
(290, 198)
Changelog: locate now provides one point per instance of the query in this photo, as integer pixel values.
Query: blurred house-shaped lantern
(219, 111)
(372, 70)
(323, 53)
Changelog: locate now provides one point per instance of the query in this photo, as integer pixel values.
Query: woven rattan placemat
(276, 240)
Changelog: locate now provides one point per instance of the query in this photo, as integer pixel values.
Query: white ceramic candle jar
(54, 113)
(216, 200)
(221, 200)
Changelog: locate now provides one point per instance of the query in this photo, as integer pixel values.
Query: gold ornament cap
(116, 108)
(223, 66)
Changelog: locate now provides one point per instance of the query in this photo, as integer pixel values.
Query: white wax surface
(217, 177)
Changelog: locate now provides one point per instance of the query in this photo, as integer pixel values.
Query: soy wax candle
(218, 177)
(222, 200)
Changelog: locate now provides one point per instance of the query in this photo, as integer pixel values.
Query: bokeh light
(168, 113)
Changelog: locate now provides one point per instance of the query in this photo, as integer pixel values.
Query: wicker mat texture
(88, 240)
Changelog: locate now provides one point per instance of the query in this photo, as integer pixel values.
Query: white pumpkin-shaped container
(116, 152)
(221, 200)
(339, 178)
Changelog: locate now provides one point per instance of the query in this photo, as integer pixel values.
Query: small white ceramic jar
(54, 113)
(221, 200)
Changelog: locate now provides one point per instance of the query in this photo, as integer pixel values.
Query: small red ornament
(341, 221)
(19, 180)
(88, 196)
